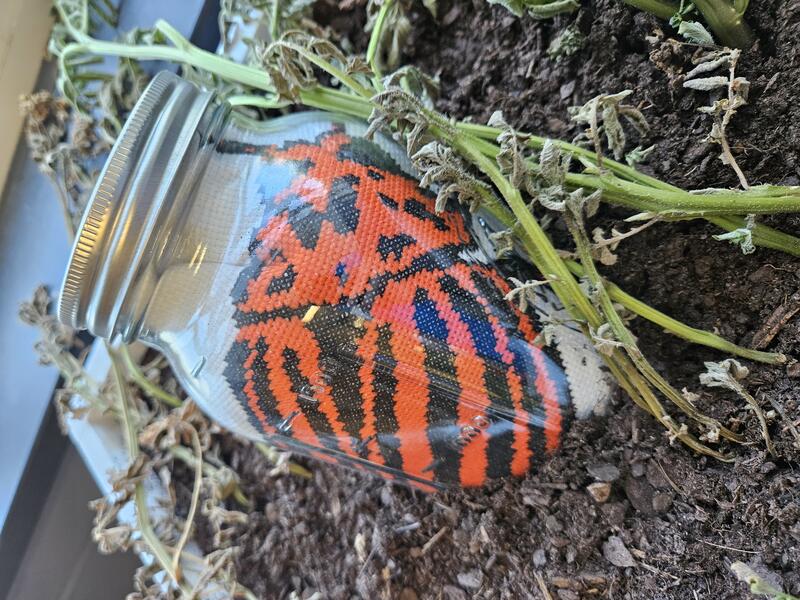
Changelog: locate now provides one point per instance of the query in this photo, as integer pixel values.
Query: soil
(673, 522)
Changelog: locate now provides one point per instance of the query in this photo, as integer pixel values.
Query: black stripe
(524, 366)
(435, 260)
(394, 245)
(384, 386)
(337, 337)
(341, 210)
(390, 202)
(443, 389)
(252, 317)
(266, 399)
(532, 401)
(300, 385)
(236, 375)
(503, 309)
(283, 282)
(500, 448)
(418, 210)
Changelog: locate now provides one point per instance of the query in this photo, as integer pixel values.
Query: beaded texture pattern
(374, 332)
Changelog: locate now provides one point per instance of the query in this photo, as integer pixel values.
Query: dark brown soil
(683, 518)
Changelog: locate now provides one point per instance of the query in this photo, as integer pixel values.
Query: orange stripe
(367, 350)
(522, 454)
(395, 308)
(473, 400)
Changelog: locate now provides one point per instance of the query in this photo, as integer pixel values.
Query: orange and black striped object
(374, 332)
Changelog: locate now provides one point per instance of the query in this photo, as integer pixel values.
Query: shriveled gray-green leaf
(706, 84)
(694, 32)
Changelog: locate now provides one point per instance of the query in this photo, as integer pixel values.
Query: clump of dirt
(620, 512)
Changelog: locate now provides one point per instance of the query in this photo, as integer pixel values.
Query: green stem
(728, 24)
(633, 372)
(663, 9)
(375, 41)
(691, 334)
(149, 388)
(763, 235)
(275, 20)
(623, 335)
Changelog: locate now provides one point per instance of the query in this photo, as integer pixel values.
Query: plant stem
(663, 9)
(140, 499)
(762, 235)
(198, 481)
(375, 41)
(634, 373)
(275, 20)
(182, 453)
(574, 219)
(150, 388)
(728, 24)
(691, 334)
(335, 100)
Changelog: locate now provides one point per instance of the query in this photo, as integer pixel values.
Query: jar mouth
(139, 180)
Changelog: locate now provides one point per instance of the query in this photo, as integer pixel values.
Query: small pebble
(766, 467)
(452, 592)
(603, 472)
(662, 501)
(471, 579)
(617, 553)
(568, 595)
(640, 494)
(638, 469)
(567, 89)
(552, 524)
(539, 557)
(600, 491)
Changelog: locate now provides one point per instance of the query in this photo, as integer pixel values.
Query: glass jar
(306, 293)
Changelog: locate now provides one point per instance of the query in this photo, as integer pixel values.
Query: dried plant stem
(144, 525)
(726, 152)
(198, 481)
(158, 393)
(183, 454)
(274, 456)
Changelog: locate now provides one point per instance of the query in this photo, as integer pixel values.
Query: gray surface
(61, 561)
(34, 250)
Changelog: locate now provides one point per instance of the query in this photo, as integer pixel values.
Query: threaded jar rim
(126, 201)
